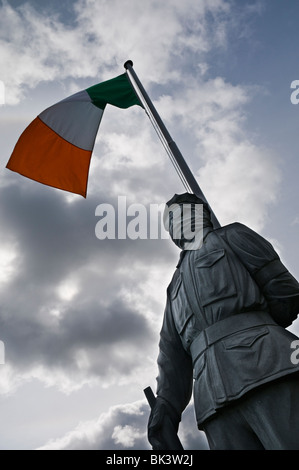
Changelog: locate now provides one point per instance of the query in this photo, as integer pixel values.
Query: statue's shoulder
(232, 228)
(235, 229)
(242, 238)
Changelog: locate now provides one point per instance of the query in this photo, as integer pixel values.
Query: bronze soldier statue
(224, 336)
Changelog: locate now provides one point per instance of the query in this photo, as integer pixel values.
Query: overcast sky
(80, 317)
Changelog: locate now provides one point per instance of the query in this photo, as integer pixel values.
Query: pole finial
(128, 62)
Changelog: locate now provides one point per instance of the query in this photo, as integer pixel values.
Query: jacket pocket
(243, 360)
(244, 339)
(214, 276)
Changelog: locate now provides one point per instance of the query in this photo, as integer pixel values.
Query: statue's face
(185, 221)
(178, 241)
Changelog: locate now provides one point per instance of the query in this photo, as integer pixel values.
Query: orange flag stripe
(44, 156)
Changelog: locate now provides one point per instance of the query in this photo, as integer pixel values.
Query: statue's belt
(227, 327)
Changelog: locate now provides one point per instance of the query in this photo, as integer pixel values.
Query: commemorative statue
(224, 338)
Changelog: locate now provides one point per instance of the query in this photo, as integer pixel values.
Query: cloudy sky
(80, 317)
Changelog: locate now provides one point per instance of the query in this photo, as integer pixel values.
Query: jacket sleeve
(279, 287)
(175, 379)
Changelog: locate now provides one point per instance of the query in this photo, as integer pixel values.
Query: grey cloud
(56, 240)
(96, 328)
(105, 433)
(39, 46)
(124, 427)
(55, 237)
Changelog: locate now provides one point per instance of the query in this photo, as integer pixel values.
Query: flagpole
(173, 148)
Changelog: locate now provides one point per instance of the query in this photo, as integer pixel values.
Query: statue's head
(185, 216)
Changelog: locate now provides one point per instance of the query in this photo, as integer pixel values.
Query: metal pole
(171, 144)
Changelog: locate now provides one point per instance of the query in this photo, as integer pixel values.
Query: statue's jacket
(224, 330)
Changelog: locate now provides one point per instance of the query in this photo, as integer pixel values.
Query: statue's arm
(174, 387)
(175, 379)
(279, 287)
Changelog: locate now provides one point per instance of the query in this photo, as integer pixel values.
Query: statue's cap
(187, 198)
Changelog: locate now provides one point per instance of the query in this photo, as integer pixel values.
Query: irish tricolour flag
(55, 149)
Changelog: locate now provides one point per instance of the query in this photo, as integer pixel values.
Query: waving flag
(56, 148)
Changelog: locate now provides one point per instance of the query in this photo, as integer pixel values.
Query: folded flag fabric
(56, 148)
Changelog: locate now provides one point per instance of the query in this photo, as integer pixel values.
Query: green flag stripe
(118, 91)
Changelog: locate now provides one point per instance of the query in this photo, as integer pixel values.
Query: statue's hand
(157, 427)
